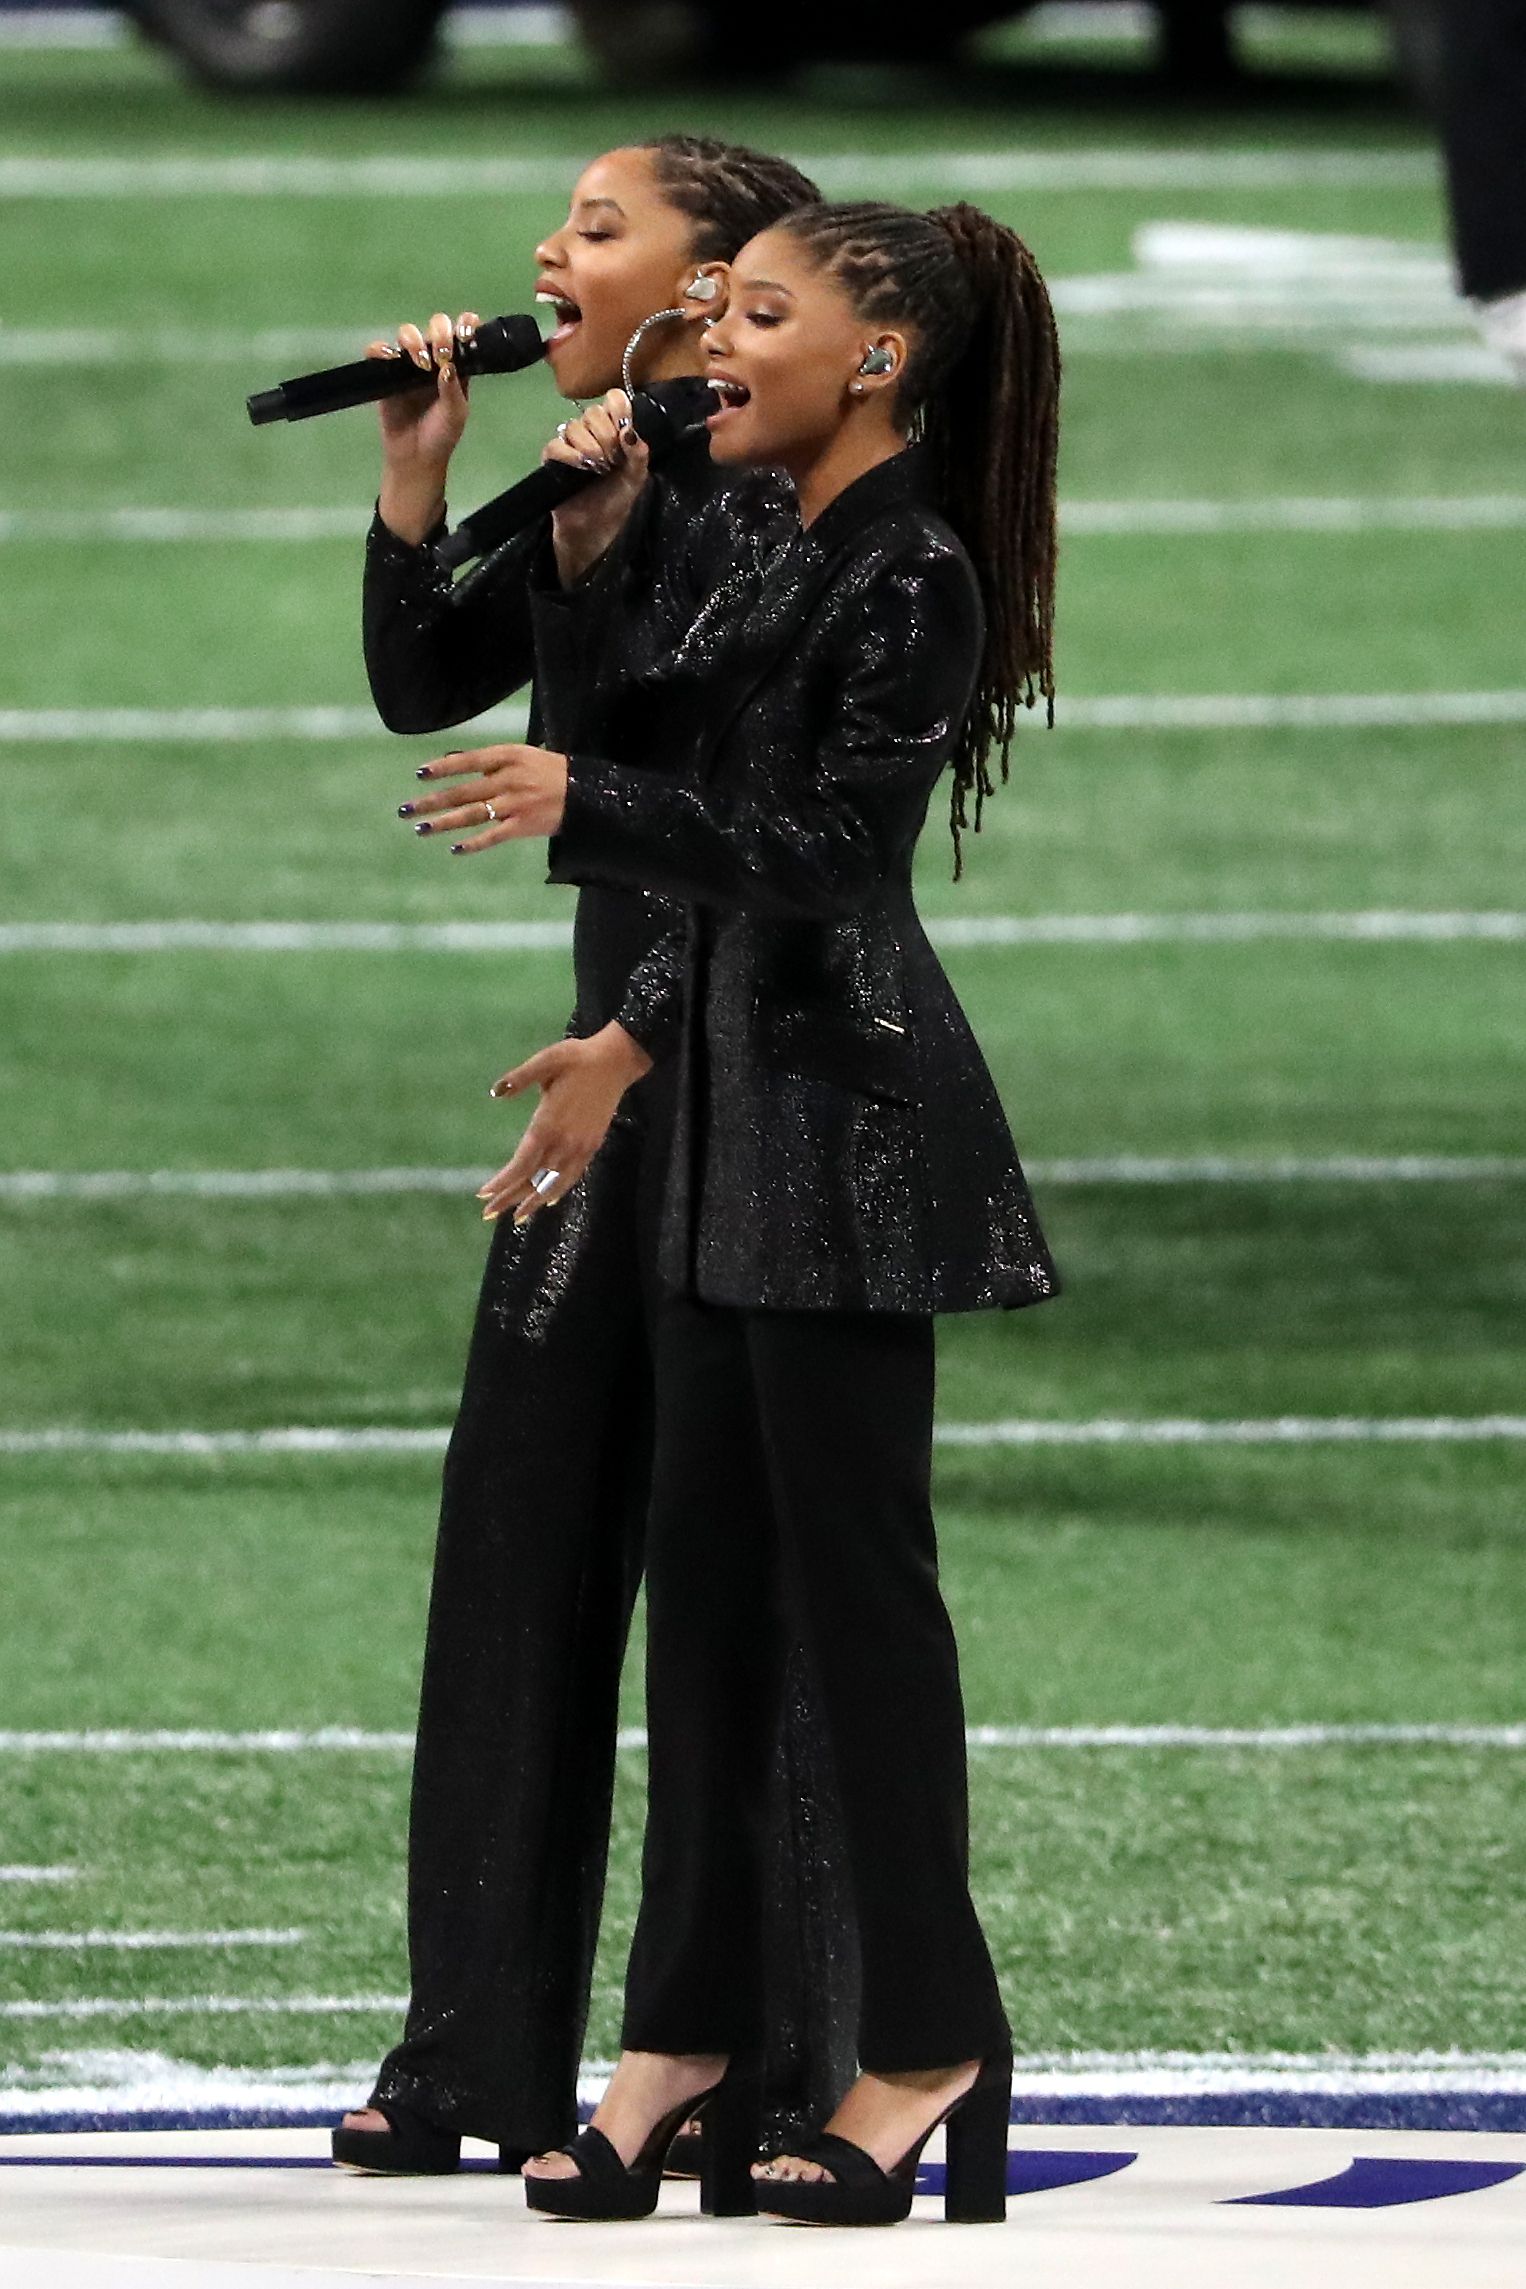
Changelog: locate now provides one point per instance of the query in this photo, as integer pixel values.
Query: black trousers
(791, 1500)
(536, 1568)
(1482, 107)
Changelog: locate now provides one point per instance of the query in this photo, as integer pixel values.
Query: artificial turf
(1332, 1898)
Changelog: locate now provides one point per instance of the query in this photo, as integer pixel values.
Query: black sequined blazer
(839, 1143)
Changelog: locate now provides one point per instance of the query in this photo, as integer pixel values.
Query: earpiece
(878, 362)
(702, 289)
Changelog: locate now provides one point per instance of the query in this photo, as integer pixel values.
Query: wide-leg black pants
(790, 1501)
(536, 1568)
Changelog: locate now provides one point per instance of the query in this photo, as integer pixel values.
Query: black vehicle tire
(308, 47)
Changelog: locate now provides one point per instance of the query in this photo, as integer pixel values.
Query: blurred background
(1242, 938)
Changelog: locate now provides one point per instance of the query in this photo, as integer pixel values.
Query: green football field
(1249, 973)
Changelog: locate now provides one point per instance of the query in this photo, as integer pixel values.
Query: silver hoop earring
(658, 318)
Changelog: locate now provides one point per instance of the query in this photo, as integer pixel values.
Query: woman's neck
(850, 454)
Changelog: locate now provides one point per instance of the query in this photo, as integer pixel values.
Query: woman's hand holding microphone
(601, 441)
(420, 432)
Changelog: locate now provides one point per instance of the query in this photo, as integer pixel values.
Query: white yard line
(1376, 926)
(20, 1874)
(1116, 711)
(78, 1942)
(1317, 514)
(202, 2006)
(1103, 1430)
(346, 1739)
(42, 1184)
(415, 175)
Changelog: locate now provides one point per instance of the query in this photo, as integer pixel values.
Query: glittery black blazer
(840, 1143)
(440, 651)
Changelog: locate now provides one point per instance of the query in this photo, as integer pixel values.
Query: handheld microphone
(502, 346)
(663, 417)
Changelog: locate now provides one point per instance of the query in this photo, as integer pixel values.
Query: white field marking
(297, 348)
(1463, 512)
(1380, 926)
(28, 1184)
(1103, 1430)
(203, 2006)
(1105, 167)
(1276, 1430)
(19, 1874)
(122, 1741)
(1115, 711)
(173, 726)
(77, 1942)
(170, 524)
(37, 29)
(1448, 362)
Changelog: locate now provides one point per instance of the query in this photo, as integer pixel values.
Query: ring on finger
(543, 1180)
(562, 428)
(492, 814)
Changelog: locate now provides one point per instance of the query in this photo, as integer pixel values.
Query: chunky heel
(975, 2150)
(731, 2133)
(859, 2192)
(607, 2189)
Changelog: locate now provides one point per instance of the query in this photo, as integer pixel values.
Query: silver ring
(562, 428)
(543, 1181)
(492, 814)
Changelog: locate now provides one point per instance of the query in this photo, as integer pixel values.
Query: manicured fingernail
(421, 358)
(456, 849)
(424, 827)
(406, 810)
(422, 772)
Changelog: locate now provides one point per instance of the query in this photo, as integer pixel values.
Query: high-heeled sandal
(409, 2147)
(859, 2192)
(730, 2119)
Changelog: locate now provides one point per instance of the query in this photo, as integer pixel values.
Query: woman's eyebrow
(613, 204)
(763, 286)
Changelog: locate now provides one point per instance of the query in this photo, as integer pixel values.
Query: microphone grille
(504, 345)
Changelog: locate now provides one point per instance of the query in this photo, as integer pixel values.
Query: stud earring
(701, 289)
(855, 389)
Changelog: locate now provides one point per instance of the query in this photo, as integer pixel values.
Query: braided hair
(729, 192)
(980, 391)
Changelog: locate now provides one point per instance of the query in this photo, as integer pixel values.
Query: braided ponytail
(981, 393)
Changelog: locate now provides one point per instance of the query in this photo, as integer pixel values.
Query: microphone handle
(500, 346)
(663, 417)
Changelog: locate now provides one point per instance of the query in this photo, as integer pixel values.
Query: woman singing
(547, 1478)
(840, 1168)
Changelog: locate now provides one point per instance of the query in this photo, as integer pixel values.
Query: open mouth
(730, 393)
(568, 315)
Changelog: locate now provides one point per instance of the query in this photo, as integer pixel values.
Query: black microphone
(663, 417)
(502, 346)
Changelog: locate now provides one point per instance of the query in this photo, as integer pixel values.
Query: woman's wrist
(624, 1051)
(410, 510)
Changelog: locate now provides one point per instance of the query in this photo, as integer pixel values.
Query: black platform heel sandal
(409, 2147)
(730, 2116)
(859, 2192)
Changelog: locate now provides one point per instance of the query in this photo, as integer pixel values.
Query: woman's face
(622, 253)
(785, 354)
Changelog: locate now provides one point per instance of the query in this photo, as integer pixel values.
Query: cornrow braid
(728, 191)
(981, 392)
